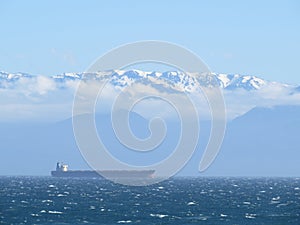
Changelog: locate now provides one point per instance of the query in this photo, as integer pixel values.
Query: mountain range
(185, 81)
(262, 139)
(262, 142)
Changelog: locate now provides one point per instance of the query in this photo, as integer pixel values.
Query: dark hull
(108, 173)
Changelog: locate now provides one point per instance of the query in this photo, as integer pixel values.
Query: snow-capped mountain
(7, 80)
(186, 82)
(229, 81)
(175, 79)
(13, 76)
(26, 96)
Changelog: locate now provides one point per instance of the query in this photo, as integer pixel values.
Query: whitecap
(276, 198)
(124, 221)
(247, 203)
(250, 215)
(158, 215)
(191, 203)
(55, 212)
(72, 203)
(61, 195)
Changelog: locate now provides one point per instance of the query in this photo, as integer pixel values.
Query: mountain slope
(263, 142)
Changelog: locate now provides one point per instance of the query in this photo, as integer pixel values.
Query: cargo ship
(63, 171)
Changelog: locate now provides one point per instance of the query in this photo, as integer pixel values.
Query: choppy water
(46, 200)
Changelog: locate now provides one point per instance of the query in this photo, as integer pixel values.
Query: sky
(252, 38)
(259, 38)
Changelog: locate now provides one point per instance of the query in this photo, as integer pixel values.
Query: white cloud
(43, 98)
(44, 85)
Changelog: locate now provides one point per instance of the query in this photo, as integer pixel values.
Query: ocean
(47, 200)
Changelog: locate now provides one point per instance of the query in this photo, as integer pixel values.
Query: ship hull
(126, 174)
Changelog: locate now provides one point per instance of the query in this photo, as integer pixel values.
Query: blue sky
(51, 37)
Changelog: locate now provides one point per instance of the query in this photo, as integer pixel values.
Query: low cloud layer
(42, 98)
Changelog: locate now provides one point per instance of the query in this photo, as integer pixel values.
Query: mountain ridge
(186, 81)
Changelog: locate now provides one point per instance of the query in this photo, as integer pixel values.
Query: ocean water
(47, 200)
